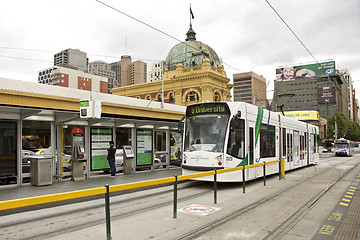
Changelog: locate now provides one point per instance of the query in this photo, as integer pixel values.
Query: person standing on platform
(111, 158)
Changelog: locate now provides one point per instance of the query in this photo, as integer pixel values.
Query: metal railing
(106, 190)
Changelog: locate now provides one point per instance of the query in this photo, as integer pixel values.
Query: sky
(246, 34)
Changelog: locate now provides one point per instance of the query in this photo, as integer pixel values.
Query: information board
(144, 147)
(100, 138)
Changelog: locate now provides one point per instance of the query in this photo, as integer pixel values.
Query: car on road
(66, 158)
(27, 155)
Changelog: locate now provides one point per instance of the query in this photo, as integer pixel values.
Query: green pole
(215, 188)
(107, 213)
(175, 198)
(243, 177)
(264, 173)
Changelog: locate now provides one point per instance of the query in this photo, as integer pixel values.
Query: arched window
(159, 98)
(171, 98)
(148, 97)
(192, 96)
(138, 97)
(217, 97)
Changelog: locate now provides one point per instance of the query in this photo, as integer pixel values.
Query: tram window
(284, 142)
(236, 141)
(267, 141)
(205, 133)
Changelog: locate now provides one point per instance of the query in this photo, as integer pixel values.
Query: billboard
(326, 95)
(303, 115)
(305, 71)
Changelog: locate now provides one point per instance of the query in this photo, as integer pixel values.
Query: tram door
(289, 148)
(296, 153)
(251, 145)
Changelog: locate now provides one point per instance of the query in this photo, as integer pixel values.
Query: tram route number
(199, 210)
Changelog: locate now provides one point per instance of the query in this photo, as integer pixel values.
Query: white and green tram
(225, 135)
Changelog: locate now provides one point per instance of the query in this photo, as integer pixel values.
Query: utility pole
(336, 135)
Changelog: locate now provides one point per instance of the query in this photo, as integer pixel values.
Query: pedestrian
(111, 158)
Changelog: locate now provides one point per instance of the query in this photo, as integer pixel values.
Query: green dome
(191, 53)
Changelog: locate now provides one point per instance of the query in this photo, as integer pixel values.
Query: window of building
(217, 97)
(171, 98)
(159, 99)
(192, 96)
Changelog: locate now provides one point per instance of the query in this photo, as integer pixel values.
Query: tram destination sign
(207, 108)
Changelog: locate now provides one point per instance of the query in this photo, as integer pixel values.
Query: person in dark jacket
(111, 158)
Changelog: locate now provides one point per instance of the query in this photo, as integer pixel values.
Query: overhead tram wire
(148, 25)
(158, 30)
(292, 31)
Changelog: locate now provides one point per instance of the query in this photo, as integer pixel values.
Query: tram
(344, 147)
(225, 135)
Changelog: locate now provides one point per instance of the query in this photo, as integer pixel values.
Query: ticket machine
(77, 155)
(128, 158)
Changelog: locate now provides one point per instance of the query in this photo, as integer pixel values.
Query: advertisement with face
(305, 71)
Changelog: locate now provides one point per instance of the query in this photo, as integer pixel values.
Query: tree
(346, 128)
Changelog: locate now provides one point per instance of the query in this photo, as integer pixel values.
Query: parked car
(26, 160)
(66, 158)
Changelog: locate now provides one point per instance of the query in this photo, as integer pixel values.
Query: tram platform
(343, 221)
(11, 192)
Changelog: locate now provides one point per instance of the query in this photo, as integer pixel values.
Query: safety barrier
(106, 190)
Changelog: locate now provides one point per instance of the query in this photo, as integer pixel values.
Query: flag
(191, 13)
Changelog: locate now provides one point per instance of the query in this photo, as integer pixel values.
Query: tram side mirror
(181, 124)
(234, 119)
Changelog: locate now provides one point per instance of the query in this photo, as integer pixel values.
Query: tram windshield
(341, 145)
(206, 132)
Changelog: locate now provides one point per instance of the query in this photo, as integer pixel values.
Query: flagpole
(190, 14)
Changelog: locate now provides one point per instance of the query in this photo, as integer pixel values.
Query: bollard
(264, 171)
(243, 177)
(215, 188)
(175, 198)
(279, 170)
(107, 213)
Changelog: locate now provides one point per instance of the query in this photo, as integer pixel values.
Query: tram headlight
(185, 158)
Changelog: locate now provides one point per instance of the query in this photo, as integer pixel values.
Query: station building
(41, 117)
(192, 74)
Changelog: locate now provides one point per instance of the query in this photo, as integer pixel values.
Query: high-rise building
(348, 80)
(249, 87)
(138, 72)
(71, 58)
(101, 68)
(156, 72)
(66, 77)
(312, 87)
(44, 75)
(116, 67)
(125, 70)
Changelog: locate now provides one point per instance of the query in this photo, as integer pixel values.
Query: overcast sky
(246, 34)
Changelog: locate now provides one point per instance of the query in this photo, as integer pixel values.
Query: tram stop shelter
(38, 119)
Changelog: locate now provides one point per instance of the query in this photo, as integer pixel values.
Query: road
(294, 208)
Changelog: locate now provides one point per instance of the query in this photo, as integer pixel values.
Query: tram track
(287, 224)
(45, 224)
(22, 227)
